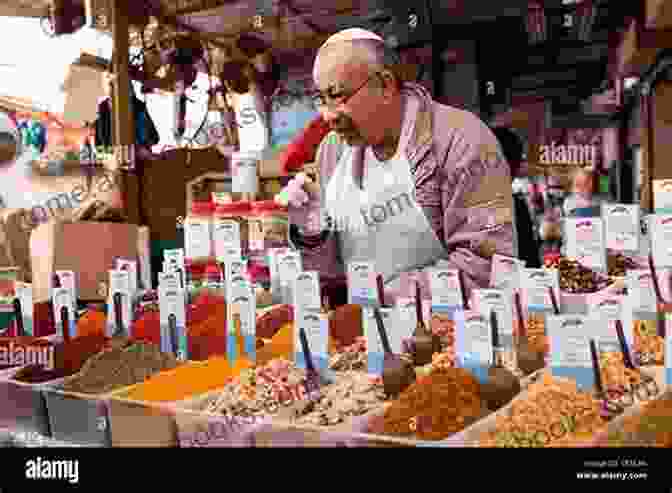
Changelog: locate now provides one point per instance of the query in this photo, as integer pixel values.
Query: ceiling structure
(565, 65)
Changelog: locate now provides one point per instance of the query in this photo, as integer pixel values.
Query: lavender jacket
(453, 154)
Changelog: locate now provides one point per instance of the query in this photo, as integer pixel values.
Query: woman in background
(529, 246)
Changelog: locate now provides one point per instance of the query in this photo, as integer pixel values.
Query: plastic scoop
(398, 374)
(425, 343)
(660, 323)
(18, 316)
(118, 319)
(172, 333)
(65, 323)
(502, 385)
(529, 360)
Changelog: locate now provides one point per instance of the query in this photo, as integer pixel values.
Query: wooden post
(122, 114)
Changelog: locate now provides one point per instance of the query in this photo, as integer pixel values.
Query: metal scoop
(426, 343)
(65, 323)
(172, 334)
(502, 385)
(118, 319)
(398, 374)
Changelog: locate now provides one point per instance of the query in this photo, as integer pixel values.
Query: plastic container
(198, 232)
(223, 234)
(268, 228)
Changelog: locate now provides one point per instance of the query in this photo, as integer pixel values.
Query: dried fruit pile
(351, 357)
(651, 427)
(554, 412)
(649, 346)
(618, 264)
(575, 278)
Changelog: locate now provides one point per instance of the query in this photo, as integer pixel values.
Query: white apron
(383, 223)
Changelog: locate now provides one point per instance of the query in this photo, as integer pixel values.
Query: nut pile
(536, 333)
(618, 264)
(352, 394)
(574, 277)
(615, 375)
(351, 357)
(260, 391)
(553, 413)
(651, 427)
(120, 366)
(649, 346)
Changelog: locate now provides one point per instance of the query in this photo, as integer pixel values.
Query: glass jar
(230, 228)
(198, 232)
(268, 227)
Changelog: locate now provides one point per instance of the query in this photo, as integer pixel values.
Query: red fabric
(303, 148)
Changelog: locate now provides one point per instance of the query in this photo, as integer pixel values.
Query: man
(528, 245)
(404, 181)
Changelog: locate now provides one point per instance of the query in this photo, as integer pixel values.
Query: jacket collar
(421, 140)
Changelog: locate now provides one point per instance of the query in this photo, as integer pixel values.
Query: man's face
(350, 93)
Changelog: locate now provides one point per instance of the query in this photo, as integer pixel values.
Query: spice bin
(79, 418)
(24, 404)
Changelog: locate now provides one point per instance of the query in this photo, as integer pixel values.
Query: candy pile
(352, 394)
(260, 391)
(350, 357)
(554, 412)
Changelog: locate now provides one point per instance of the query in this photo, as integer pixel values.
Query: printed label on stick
(661, 239)
(473, 343)
(535, 283)
(446, 291)
(376, 354)
(569, 337)
(62, 297)
(621, 227)
(173, 318)
(505, 272)
(362, 284)
(316, 328)
(585, 241)
(24, 292)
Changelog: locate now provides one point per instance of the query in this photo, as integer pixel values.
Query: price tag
(197, 237)
(120, 283)
(406, 321)
(289, 266)
(535, 283)
(62, 297)
(245, 173)
(170, 280)
(569, 337)
(488, 300)
(446, 290)
(226, 235)
(174, 256)
(68, 280)
(316, 327)
(24, 292)
(362, 284)
(374, 346)
(641, 292)
(132, 267)
(505, 272)
(585, 242)
(621, 227)
(661, 239)
(171, 305)
(607, 308)
(473, 343)
(242, 301)
(307, 292)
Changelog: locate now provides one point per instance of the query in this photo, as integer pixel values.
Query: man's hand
(302, 197)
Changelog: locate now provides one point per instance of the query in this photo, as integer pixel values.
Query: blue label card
(640, 291)
(376, 354)
(68, 280)
(621, 227)
(120, 283)
(24, 292)
(446, 291)
(585, 242)
(226, 237)
(505, 273)
(535, 284)
(362, 284)
(661, 239)
(316, 327)
(569, 337)
(406, 320)
(62, 297)
(473, 343)
(243, 302)
(171, 302)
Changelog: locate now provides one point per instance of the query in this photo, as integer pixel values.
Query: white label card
(661, 239)
(24, 292)
(307, 292)
(68, 280)
(120, 283)
(488, 300)
(62, 297)
(197, 238)
(446, 289)
(641, 292)
(585, 241)
(171, 305)
(535, 283)
(621, 227)
(243, 302)
(362, 283)
(505, 272)
(226, 236)
(132, 267)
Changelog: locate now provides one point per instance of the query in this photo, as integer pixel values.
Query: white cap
(351, 35)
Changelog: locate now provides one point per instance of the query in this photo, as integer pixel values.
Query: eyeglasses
(332, 100)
